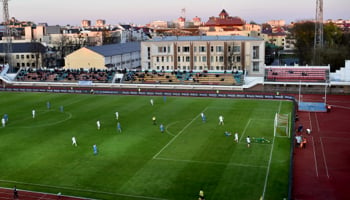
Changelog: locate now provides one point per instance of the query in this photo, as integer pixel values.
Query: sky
(72, 12)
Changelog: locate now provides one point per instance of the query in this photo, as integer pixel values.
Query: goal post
(281, 125)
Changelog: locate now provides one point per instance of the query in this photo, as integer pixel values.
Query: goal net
(281, 125)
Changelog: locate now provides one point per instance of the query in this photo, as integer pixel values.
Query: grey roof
(116, 49)
(26, 47)
(205, 38)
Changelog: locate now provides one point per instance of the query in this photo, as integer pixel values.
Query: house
(200, 53)
(112, 56)
(24, 54)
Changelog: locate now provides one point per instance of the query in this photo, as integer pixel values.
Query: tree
(336, 46)
(304, 33)
(332, 35)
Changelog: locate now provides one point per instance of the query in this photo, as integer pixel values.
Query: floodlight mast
(7, 44)
(318, 38)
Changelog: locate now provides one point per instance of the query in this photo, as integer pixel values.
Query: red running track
(321, 170)
(6, 194)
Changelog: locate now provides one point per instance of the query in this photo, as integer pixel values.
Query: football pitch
(141, 162)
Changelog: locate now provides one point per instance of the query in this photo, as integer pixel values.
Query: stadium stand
(177, 77)
(62, 75)
(297, 74)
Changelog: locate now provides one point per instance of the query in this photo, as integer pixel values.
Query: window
(238, 58)
(161, 49)
(27, 56)
(187, 59)
(211, 49)
(162, 58)
(219, 48)
(202, 49)
(17, 57)
(195, 49)
(255, 52)
(255, 66)
(178, 59)
(178, 49)
(157, 59)
(32, 56)
(186, 49)
(231, 59)
(195, 58)
(236, 49)
(221, 58)
(148, 53)
(204, 59)
(22, 57)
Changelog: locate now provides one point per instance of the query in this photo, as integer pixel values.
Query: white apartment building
(199, 53)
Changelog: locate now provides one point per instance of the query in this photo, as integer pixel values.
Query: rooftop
(205, 38)
(115, 49)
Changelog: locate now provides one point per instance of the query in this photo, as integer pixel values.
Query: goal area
(281, 125)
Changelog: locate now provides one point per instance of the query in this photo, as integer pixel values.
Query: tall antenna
(318, 40)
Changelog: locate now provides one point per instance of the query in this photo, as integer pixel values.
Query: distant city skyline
(72, 12)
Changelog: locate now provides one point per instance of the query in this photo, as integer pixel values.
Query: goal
(281, 125)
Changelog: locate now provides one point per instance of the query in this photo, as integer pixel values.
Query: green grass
(141, 162)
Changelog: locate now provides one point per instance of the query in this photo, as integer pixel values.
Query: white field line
(166, 128)
(81, 190)
(268, 169)
(279, 107)
(310, 121)
(69, 116)
(345, 107)
(324, 157)
(314, 150)
(244, 130)
(317, 123)
(209, 162)
(174, 138)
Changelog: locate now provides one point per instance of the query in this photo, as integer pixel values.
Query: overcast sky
(62, 12)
